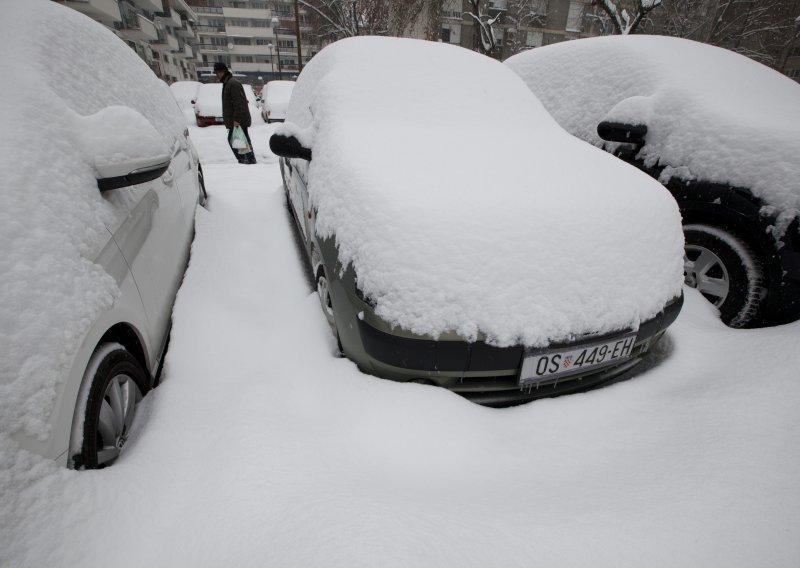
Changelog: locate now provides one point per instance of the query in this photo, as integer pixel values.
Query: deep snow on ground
(262, 449)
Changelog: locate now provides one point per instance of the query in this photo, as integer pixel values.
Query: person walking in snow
(235, 110)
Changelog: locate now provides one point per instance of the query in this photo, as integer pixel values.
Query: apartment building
(257, 40)
(162, 32)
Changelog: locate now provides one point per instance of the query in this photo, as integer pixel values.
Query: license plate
(218, 119)
(556, 363)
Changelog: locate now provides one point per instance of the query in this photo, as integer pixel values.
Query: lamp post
(271, 61)
(275, 23)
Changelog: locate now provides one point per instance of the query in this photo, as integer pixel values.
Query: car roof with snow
(711, 113)
(464, 207)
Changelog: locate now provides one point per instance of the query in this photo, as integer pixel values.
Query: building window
(242, 41)
(262, 41)
(286, 43)
(245, 59)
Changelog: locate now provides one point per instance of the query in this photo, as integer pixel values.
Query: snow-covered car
(185, 93)
(504, 260)
(208, 105)
(100, 187)
(719, 130)
(275, 100)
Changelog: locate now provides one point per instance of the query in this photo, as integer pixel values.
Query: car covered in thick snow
(504, 260)
(719, 130)
(100, 186)
(208, 105)
(275, 100)
(185, 93)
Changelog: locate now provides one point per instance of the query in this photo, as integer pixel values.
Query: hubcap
(116, 417)
(325, 297)
(704, 270)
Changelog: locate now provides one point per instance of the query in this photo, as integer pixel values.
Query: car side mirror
(621, 132)
(131, 172)
(287, 146)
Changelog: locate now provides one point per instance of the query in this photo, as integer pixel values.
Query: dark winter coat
(234, 103)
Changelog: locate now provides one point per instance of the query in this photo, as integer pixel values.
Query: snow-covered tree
(484, 25)
(615, 13)
(523, 14)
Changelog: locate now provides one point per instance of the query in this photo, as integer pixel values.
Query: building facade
(162, 32)
(257, 40)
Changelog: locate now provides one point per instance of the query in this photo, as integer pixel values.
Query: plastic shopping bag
(239, 140)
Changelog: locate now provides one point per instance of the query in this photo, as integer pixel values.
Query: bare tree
(336, 19)
(764, 30)
(760, 29)
(620, 19)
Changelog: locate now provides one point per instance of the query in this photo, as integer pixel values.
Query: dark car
(503, 279)
(720, 131)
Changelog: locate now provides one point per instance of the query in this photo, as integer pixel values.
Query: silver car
(106, 219)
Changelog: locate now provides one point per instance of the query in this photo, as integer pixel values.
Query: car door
(154, 241)
(184, 167)
(297, 171)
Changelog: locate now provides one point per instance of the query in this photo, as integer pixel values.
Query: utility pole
(297, 35)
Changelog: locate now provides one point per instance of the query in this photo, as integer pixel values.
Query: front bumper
(489, 375)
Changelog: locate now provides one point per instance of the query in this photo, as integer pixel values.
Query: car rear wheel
(726, 272)
(118, 384)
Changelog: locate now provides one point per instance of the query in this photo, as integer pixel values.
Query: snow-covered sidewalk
(262, 449)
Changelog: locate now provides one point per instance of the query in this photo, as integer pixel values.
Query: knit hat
(220, 66)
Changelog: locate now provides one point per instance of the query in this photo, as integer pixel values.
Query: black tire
(327, 306)
(118, 384)
(726, 271)
(203, 197)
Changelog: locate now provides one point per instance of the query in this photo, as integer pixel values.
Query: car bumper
(489, 375)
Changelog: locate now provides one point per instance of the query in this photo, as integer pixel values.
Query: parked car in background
(545, 268)
(719, 130)
(275, 100)
(185, 93)
(95, 235)
(208, 106)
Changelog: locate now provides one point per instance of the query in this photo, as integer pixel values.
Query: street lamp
(271, 61)
(275, 23)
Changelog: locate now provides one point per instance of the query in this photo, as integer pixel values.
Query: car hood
(464, 207)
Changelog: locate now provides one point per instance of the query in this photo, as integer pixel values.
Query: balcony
(104, 11)
(166, 40)
(139, 27)
(171, 18)
(188, 31)
(187, 51)
(149, 5)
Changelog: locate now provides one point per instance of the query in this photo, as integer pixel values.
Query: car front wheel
(725, 271)
(118, 384)
(324, 292)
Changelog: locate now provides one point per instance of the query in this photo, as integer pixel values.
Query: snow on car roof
(185, 92)
(464, 207)
(711, 114)
(53, 221)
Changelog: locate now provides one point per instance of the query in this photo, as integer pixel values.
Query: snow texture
(711, 114)
(506, 227)
(260, 448)
(53, 220)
